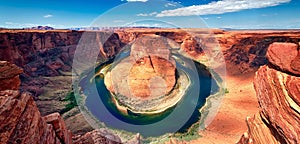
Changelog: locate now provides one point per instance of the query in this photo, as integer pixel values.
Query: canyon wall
(22, 123)
(50, 53)
(20, 119)
(277, 88)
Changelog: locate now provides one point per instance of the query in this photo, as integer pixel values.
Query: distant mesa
(40, 28)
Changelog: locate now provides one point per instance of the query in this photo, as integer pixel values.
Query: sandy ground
(229, 124)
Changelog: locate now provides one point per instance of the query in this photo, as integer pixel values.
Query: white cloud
(48, 16)
(142, 14)
(136, 0)
(145, 14)
(170, 4)
(220, 7)
(219, 17)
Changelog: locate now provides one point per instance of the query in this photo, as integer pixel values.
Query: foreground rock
(99, 136)
(278, 92)
(21, 121)
(9, 76)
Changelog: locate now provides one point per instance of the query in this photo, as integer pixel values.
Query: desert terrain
(36, 75)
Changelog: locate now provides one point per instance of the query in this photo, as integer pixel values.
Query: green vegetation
(226, 90)
(191, 134)
(72, 102)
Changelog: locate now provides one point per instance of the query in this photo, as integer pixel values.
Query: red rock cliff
(21, 121)
(277, 87)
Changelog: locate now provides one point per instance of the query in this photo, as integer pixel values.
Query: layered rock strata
(278, 90)
(148, 72)
(21, 121)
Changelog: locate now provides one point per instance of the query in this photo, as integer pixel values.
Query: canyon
(45, 59)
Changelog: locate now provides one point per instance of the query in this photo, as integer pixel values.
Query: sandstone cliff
(21, 121)
(278, 89)
(49, 53)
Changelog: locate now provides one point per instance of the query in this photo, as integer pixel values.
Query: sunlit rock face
(277, 87)
(148, 72)
(151, 76)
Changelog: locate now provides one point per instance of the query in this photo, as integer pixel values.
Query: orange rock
(278, 95)
(151, 76)
(148, 72)
(285, 56)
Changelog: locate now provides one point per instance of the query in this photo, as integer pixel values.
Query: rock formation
(149, 71)
(98, 136)
(278, 89)
(9, 76)
(151, 76)
(21, 121)
(48, 53)
(153, 71)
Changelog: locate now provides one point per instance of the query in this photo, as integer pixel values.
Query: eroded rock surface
(9, 76)
(98, 136)
(21, 121)
(149, 71)
(151, 76)
(285, 56)
(278, 94)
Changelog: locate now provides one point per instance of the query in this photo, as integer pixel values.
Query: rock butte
(149, 72)
(151, 76)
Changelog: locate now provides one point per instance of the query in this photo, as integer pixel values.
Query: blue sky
(238, 14)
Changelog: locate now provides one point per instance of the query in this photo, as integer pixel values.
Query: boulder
(9, 76)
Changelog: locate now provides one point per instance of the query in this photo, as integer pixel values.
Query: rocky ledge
(21, 121)
(277, 87)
